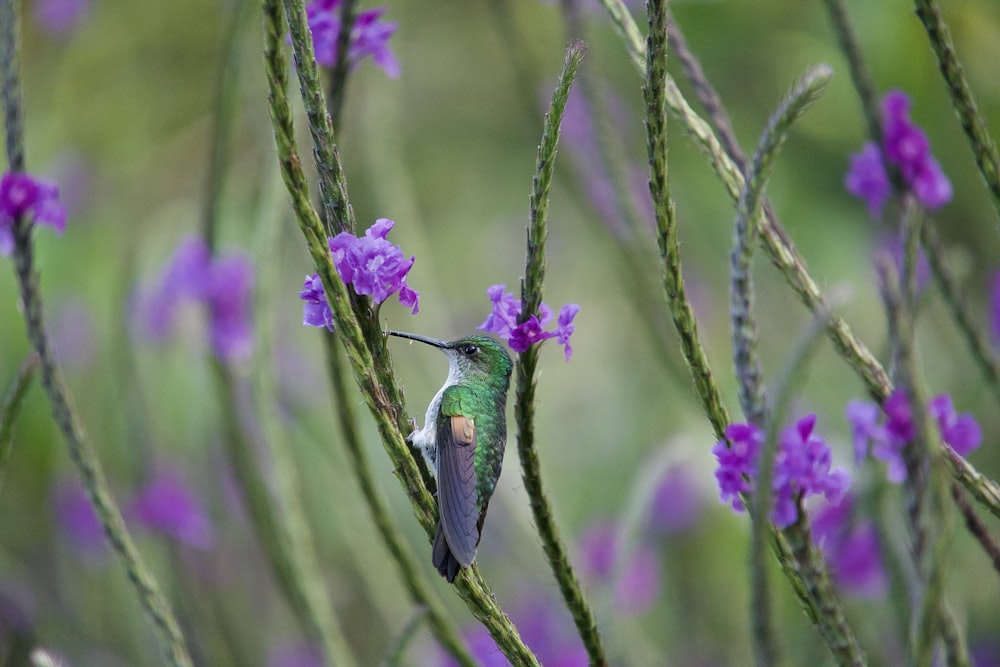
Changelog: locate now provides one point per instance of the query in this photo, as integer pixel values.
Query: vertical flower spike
(369, 36)
(25, 195)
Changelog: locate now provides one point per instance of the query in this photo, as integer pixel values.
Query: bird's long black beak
(423, 339)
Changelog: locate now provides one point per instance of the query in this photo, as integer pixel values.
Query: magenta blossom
(372, 264)
(369, 36)
(224, 285)
(888, 438)
(802, 467)
(167, 505)
(852, 549)
(638, 586)
(906, 146)
(502, 321)
(25, 195)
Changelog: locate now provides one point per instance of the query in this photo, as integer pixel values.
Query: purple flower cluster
(905, 145)
(22, 195)
(503, 322)
(60, 17)
(369, 36)
(802, 467)
(889, 437)
(223, 284)
(852, 549)
(166, 505)
(372, 264)
(639, 585)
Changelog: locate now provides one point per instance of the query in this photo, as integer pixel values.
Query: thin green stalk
(394, 654)
(147, 590)
(860, 76)
(10, 407)
(983, 147)
(982, 488)
(780, 249)
(975, 526)
(752, 393)
(527, 363)
(387, 413)
(402, 555)
(963, 315)
(332, 181)
(341, 68)
(278, 521)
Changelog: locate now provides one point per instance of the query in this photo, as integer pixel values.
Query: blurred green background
(120, 111)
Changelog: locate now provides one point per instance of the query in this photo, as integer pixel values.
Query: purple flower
(866, 178)
(295, 655)
(638, 587)
(546, 629)
(802, 467)
(502, 321)
(23, 194)
(905, 145)
(369, 36)
(229, 307)
(888, 439)
(676, 504)
(223, 285)
(962, 432)
(373, 265)
(60, 17)
(316, 311)
(77, 520)
(852, 549)
(167, 505)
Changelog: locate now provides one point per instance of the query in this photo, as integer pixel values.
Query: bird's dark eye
(470, 349)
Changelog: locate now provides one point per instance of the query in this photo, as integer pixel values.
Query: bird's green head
(474, 357)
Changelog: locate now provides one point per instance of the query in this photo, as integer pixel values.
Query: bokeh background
(120, 105)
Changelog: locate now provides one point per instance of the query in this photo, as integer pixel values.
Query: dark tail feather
(443, 559)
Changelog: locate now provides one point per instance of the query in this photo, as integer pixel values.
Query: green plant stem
(527, 363)
(147, 590)
(276, 515)
(10, 407)
(982, 488)
(779, 248)
(975, 526)
(752, 393)
(337, 210)
(341, 68)
(399, 550)
(983, 147)
(963, 315)
(394, 654)
(384, 408)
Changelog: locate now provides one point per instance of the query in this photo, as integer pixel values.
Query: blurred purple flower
(676, 504)
(502, 321)
(229, 307)
(295, 655)
(223, 284)
(23, 194)
(374, 265)
(802, 467)
(316, 311)
(545, 628)
(60, 17)
(851, 548)
(905, 145)
(866, 178)
(638, 586)
(369, 36)
(961, 432)
(72, 332)
(77, 520)
(169, 506)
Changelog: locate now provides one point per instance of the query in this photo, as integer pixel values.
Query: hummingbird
(463, 441)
